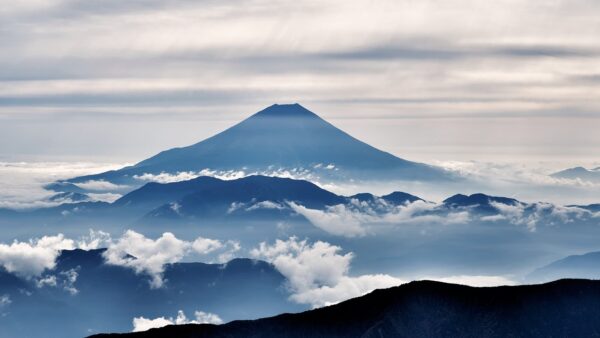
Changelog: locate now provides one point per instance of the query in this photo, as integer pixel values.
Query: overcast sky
(426, 80)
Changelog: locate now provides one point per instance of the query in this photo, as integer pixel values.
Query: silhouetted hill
(565, 308)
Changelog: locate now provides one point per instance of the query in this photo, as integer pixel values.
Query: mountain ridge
(426, 309)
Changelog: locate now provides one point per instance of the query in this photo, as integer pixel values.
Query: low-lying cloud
(294, 173)
(144, 324)
(101, 185)
(30, 259)
(356, 218)
(148, 256)
(317, 273)
(361, 218)
(145, 255)
(530, 215)
(22, 182)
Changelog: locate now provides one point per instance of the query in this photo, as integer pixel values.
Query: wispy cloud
(32, 258)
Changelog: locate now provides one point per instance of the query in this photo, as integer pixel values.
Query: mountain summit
(288, 137)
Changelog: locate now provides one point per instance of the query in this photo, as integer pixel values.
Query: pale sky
(427, 80)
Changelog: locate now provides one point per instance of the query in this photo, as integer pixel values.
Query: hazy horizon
(515, 81)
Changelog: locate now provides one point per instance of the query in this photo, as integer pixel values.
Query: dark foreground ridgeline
(564, 308)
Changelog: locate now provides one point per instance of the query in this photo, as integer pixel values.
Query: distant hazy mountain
(108, 297)
(395, 198)
(69, 197)
(590, 207)
(565, 308)
(479, 202)
(64, 187)
(576, 266)
(280, 136)
(590, 175)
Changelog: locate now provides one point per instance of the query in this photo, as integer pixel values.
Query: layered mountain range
(263, 198)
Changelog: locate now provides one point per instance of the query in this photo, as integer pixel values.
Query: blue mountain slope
(153, 194)
(478, 202)
(575, 266)
(398, 197)
(395, 198)
(65, 197)
(216, 199)
(280, 136)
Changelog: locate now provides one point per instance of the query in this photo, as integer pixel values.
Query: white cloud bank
(148, 256)
(145, 255)
(100, 185)
(22, 182)
(294, 173)
(144, 324)
(30, 259)
(318, 273)
(361, 218)
(356, 219)
(336, 220)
